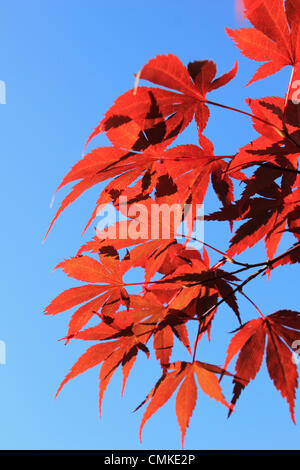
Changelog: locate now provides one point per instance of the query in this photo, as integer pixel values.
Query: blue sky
(64, 63)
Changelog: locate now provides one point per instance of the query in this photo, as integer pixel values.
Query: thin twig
(282, 133)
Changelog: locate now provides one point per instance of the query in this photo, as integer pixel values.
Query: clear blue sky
(64, 62)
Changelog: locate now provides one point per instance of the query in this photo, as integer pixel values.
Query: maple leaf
(194, 82)
(274, 38)
(121, 350)
(277, 153)
(153, 232)
(109, 296)
(272, 216)
(150, 170)
(290, 258)
(191, 170)
(97, 166)
(143, 117)
(161, 321)
(142, 111)
(199, 280)
(187, 394)
(281, 329)
(279, 143)
(267, 220)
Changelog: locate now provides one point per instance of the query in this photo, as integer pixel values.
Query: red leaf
(160, 394)
(187, 393)
(91, 358)
(83, 315)
(282, 369)
(271, 39)
(163, 344)
(87, 269)
(209, 383)
(72, 297)
(185, 403)
(168, 71)
(249, 342)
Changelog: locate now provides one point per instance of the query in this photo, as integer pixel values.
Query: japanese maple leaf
(178, 176)
(174, 176)
(268, 216)
(194, 82)
(128, 332)
(142, 116)
(267, 220)
(201, 284)
(181, 175)
(119, 163)
(290, 258)
(162, 322)
(279, 142)
(190, 168)
(99, 165)
(280, 329)
(153, 232)
(121, 350)
(277, 152)
(275, 38)
(137, 174)
(182, 375)
(140, 111)
(108, 296)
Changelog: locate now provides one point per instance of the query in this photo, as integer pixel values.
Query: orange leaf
(209, 383)
(71, 297)
(185, 403)
(87, 269)
(91, 358)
